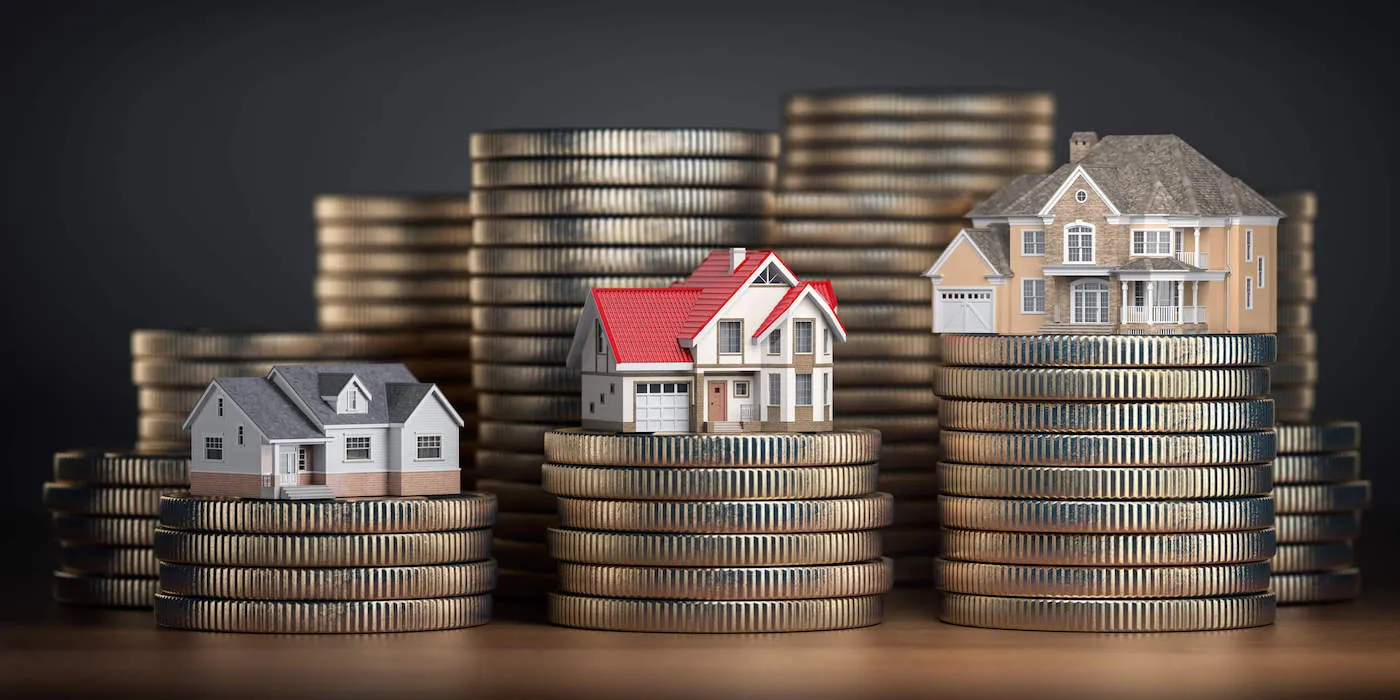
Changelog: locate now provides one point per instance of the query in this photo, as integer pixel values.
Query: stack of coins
(1106, 483)
(561, 211)
(171, 369)
(873, 187)
(363, 565)
(1320, 496)
(1295, 372)
(104, 517)
(396, 265)
(760, 532)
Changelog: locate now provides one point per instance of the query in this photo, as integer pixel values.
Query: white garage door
(663, 407)
(967, 310)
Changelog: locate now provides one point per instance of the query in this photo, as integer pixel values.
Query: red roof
(643, 324)
(821, 287)
(718, 284)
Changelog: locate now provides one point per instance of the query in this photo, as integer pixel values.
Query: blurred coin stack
(1320, 495)
(171, 369)
(873, 186)
(1105, 483)
(396, 266)
(104, 517)
(752, 533)
(1295, 372)
(361, 566)
(561, 211)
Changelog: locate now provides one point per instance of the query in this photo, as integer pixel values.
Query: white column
(1123, 304)
(1196, 296)
(1198, 247)
(1150, 285)
(1180, 299)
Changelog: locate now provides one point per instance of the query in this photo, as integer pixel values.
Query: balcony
(1164, 314)
(1197, 259)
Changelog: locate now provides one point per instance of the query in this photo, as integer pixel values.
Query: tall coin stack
(873, 186)
(104, 506)
(561, 211)
(1295, 372)
(361, 566)
(753, 533)
(396, 265)
(1106, 483)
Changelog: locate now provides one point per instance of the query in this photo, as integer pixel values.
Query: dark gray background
(159, 159)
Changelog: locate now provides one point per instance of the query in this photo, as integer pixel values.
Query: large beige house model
(1136, 234)
(740, 345)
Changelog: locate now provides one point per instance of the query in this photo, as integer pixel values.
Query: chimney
(736, 258)
(1079, 144)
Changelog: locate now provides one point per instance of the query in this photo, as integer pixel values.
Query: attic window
(1081, 196)
(354, 400)
(600, 345)
(770, 275)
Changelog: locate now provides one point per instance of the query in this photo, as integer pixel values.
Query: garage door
(963, 311)
(663, 407)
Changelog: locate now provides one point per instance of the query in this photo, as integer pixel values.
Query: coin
(914, 104)
(1313, 556)
(1118, 417)
(621, 201)
(586, 261)
(714, 616)
(297, 550)
(1317, 468)
(1102, 384)
(870, 205)
(965, 158)
(649, 231)
(167, 400)
(405, 514)
(529, 409)
(1297, 205)
(183, 373)
(1177, 450)
(322, 616)
(1104, 483)
(978, 578)
(162, 426)
(1295, 262)
(1106, 615)
(909, 133)
(82, 499)
(515, 437)
(624, 172)
(917, 344)
(1106, 516)
(937, 182)
(526, 291)
(884, 400)
(815, 515)
(709, 483)
(861, 261)
(525, 379)
(698, 549)
(533, 320)
(391, 290)
(392, 208)
(1295, 315)
(1294, 404)
(103, 591)
(729, 583)
(1296, 371)
(1318, 527)
(1322, 498)
(926, 235)
(516, 497)
(391, 316)
(1296, 288)
(892, 429)
(108, 561)
(883, 290)
(180, 447)
(1078, 549)
(80, 531)
(873, 373)
(121, 468)
(269, 346)
(1296, 343)
(393, 262)
(1316, 587)
(519, 349)
(373, 583)
(386, 237)
(577, 446)
(1172, 351)
(1333, 436)
(1300, 234)
(635, 143)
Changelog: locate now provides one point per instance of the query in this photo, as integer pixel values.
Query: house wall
(1010, 318)
(750, 306)
(335, 449)
(240, 471)
(965, 268)
(607, 398)
(1112, 244)
(430, 418)
(591, 361)
(342, 400)
(1263, 318)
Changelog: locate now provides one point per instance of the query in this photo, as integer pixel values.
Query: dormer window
(770, 275)
(353, 400)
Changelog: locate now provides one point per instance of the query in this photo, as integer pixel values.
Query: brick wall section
(1112, 244)
(226, 485)
(447, 481)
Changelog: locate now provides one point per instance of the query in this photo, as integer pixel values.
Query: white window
(221, 408)
(1033, 296)
(1260, 270)
(1088, 301)
(826, 398)
(240, 435)
(1081, 196)
(1153, 242)
(770, 275)
(775, 389)
(429, 447)
(1032, 242)
(802, 337)
(1079, 243)
(804, 390)
(741, 390)
(775, 342)
(356, 448)
(354, 399)
(1249, 292)
(600, 345)
(303, 454)
(826, 340)
(1248, 244)
(729, 337)
(214, 448)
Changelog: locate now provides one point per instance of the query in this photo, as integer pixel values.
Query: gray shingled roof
(305, 380)
(1158, 265)
(330, 383)
(995, 244)
(268, 408)
(1145, 174)
(403, 398)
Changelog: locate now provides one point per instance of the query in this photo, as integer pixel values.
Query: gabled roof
(1140, 174)
(821, 289)
(305, 382)
(268, 408)
(718, 285)
(330, 383)
(404, 399)
(993, 245)
(643, 324)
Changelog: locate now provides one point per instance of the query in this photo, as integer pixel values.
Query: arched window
(1088, 301)
(1079, 243)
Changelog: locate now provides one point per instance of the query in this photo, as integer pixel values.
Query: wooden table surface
(1348, 650)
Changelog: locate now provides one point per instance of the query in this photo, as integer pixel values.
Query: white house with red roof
(741, 345)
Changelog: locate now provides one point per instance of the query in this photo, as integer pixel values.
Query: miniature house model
(1136, 234)
(323, 431)
(741, 345)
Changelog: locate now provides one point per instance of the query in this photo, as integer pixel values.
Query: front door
(719, 401)
(287, 475)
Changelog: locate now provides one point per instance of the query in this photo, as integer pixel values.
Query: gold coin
(1105, 615)
(886, 290)
(1297, 315)
(80, 531)
(708, 483)
(1106, 517)
(566, 291)
(373, 317)
(162, 426)
(1079, 549)
(268, 346)
(1105, 417)
(1102, 384)
(509, 466)
(401, 514)
(870, 205)
(913, 104)
(181, 447)
(730, 583)
(104, 591)
(392, 289)
(525, 379)
(1105, 483)
(887, 181)
(1322, 498)
(624, 172)
(916, 344)
(1300, 205)
(927, 235)
(1325, 468)
(167, 400)
(1082, 450)
(302, 551)
(1316, 587)
(1294, 404)
(1020, 580)
(710, 550)
(108, 561)
(515, 437)
(885, 317)
(893, 158)
(577, 446)
(873, 132)
(526, 320)
(633, 143)
(909, 455)
(1312, 556)
(420, 209)
(390, 237)
(883, 400)
(83, 499)
(1292, 262)
(1332, 436)
(341, 583)
(1297, 371)
(195, 374)
(876, 373)
(522, 349)
(648, 231)
(809, 515)
(596, 260)
(714, 616)
(860, 261)
(116, 468)
(1317, 527)
(892, 428)
(621, 201)
(1297, 343)
(322, 616)
(1296, 288)
(379, 262)
(1170, 351)
(529, 409)
(1296, 235)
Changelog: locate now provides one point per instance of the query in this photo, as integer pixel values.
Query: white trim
(589, 315)
(299, 441)
(650, 366)
(1077, 270)
(1248, 293)
(433, 391)
(1093, 243)
(957, 241)
(770, 257)
(189, 419)
(1108, 298)
(832, 320)
(1249, 245)
(1081, 195)
(1253, 220)
(1041, 280)
(1040, 231)
(1064, 187)
(1172, 275)
(1171, 242)
(1260, 271)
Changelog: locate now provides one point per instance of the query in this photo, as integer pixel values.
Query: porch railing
(1164, 314)
(1199, 259)
(746, 412)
